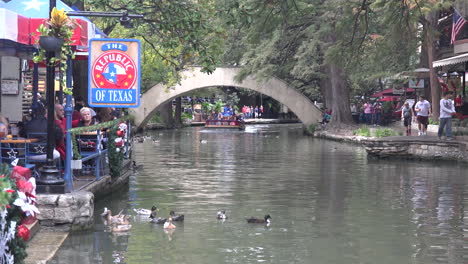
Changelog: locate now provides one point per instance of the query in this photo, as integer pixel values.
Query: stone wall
(417, 149)
(72, 210)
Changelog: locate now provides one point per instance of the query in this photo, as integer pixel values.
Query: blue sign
(114, 73)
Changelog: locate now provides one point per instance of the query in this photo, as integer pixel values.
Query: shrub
(433, 122)
(385, 132)
(362, 131)
(312, 128)
(187, 116)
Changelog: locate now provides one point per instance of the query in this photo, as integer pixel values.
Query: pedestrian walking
(423, 109)
(406, 116)
(368, 112)
(447, 109)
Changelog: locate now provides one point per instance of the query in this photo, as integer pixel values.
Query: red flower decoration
(23, 232)
(24, 186)
(20, 173)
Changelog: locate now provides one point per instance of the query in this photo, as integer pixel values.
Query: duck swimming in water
(176, 218)
(119, 219)
(169, 225)
(120, 228)
(265, 220)
(221, 215)
(155, 219)
(142, 211)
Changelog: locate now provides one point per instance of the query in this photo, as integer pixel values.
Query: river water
(328, 203)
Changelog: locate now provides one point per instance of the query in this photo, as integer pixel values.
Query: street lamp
(50, 180)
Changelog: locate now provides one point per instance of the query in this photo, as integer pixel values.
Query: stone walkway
(42, 248)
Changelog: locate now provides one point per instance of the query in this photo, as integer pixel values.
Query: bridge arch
(194, 79)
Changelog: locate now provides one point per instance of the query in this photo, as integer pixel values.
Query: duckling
(267, 220)
(142, 211)
(121, 228)
(169, 225)
(221, 215)
(176, 218)
(155, 219)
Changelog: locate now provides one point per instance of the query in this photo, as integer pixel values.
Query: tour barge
(232, 124)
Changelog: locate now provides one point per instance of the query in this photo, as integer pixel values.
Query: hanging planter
(56, 36)
(50, 43)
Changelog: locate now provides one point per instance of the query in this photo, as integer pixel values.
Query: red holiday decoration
(20, 173)
(27, 220)
(120, 133)
(23, 232)
(24, 186)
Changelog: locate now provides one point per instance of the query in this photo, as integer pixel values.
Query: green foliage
(175, 34)
(17, 246)
(186, 116)
(362, 131)
(385, 132)
(156, 118)
(433, 122)
(115, 157)
(312, 128)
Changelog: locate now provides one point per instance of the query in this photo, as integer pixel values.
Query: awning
(389, 92)
(452, 60)
(37, 12)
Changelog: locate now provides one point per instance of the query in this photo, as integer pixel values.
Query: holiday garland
(117, 132)
(17, 198)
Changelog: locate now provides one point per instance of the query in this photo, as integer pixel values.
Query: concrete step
(33, 229)
(42, 248)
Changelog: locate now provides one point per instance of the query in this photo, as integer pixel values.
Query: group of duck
(121, 223)
(141, 139)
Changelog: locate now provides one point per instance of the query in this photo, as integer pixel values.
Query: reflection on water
(328, 203)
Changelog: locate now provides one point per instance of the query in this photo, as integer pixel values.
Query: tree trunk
(341, 111)
(166, 114)
(178, 112)
(325, 88)
(430, 44)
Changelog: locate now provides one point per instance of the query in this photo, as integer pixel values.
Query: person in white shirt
(447, 109)
(423, 110)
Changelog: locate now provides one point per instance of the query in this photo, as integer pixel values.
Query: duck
(155, 219)
(138, 139)
(266, 219)
(156, 141)
(121, 228)
(135, 166)
(142, 211)
(221, 215)
(119, 219)
(203, 141)
(176, 218)
(169, 225)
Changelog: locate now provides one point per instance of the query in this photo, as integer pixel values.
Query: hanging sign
(114, 73)
(416, 83)
(398, 89)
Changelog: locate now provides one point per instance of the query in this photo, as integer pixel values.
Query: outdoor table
(18, 140)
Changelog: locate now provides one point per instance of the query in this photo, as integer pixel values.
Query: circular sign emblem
(114, 70)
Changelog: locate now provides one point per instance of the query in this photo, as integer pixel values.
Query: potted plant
(56, 36)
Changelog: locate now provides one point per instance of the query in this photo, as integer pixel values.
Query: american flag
(458, 23)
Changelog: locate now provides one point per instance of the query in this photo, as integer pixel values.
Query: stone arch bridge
(194, 79)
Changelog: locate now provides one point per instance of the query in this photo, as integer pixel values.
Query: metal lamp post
(50, 180)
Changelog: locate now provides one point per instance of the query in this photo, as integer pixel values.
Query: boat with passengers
(226, 119)
(221, 123)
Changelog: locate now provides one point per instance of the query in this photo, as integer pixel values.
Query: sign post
(114, 73)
